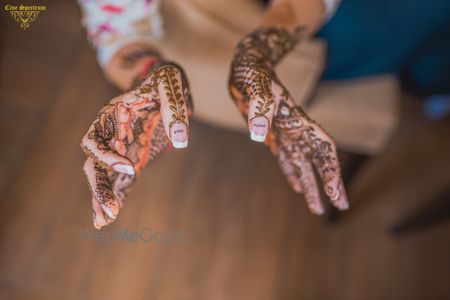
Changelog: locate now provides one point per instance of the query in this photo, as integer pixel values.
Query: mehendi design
(103, 189)
(252, 66)
(295, 140)
(174, 91)
(301, 139)
(167, 76)
(159, 142)
(130, 130)
(258, 83)
(257, 54)
(105, 128)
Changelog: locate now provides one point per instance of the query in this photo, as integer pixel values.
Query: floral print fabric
(112, 24)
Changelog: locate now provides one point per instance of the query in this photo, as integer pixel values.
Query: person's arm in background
(140, 124)
(293, 14)
(298, 143)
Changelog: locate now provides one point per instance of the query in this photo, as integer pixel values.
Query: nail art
(179, 135)
(259, 129)
(123, 168)
(108, 211)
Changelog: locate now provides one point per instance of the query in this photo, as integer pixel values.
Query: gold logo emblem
(25, 14)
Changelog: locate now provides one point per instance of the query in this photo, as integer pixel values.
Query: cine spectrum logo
(25, 14)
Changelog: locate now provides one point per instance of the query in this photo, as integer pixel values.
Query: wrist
(130, 65)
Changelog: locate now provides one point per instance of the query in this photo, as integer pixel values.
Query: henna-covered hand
(295, 140)
(131, 130)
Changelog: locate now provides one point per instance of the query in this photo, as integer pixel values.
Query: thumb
(174, 110)
(261, 108)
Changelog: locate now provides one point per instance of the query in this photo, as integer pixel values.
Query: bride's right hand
(131, 130)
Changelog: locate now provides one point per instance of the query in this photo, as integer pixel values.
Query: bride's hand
(131, 130)
(298, 143)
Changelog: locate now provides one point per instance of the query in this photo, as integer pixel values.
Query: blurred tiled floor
(246, 235)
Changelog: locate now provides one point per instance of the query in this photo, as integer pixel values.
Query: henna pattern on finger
(159, 142)
(170, 78)
(167, 76)
(121, 184)
(172, 86)
(103, 190)
(128, 123)
(105, 128)
(293, 132)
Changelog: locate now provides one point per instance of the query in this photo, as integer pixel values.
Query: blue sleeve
(408, 38)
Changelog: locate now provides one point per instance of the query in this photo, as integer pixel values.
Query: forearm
(284, 24)
(256, 56)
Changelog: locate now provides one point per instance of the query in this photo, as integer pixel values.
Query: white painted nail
(180, 145)
(179, 135)
(259, 127)
(317, 209)
(108, 211)
(123, 168)
(257, 138)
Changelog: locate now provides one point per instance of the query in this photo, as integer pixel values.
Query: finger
(300, 175)
(174, 110)
(310, 188)
(240, 100)
(100, 219)
(95, 145)
(261, 105)
(101, 188)
(159, 142)
(326, 161)
(121, 186)
(342, 201)
(335, 190)
(290, 170)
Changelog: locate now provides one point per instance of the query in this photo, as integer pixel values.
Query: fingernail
(297, 188)
(114, 209)
(178, 133)
(123, 168)
(96, 225)
(259, 129)
(99, 222)
(319, 210)
(108, 211)
(344, 206)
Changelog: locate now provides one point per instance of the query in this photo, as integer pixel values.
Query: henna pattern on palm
(129, 132)
(298, 143)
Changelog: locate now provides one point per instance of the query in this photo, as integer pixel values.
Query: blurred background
(245, 234)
